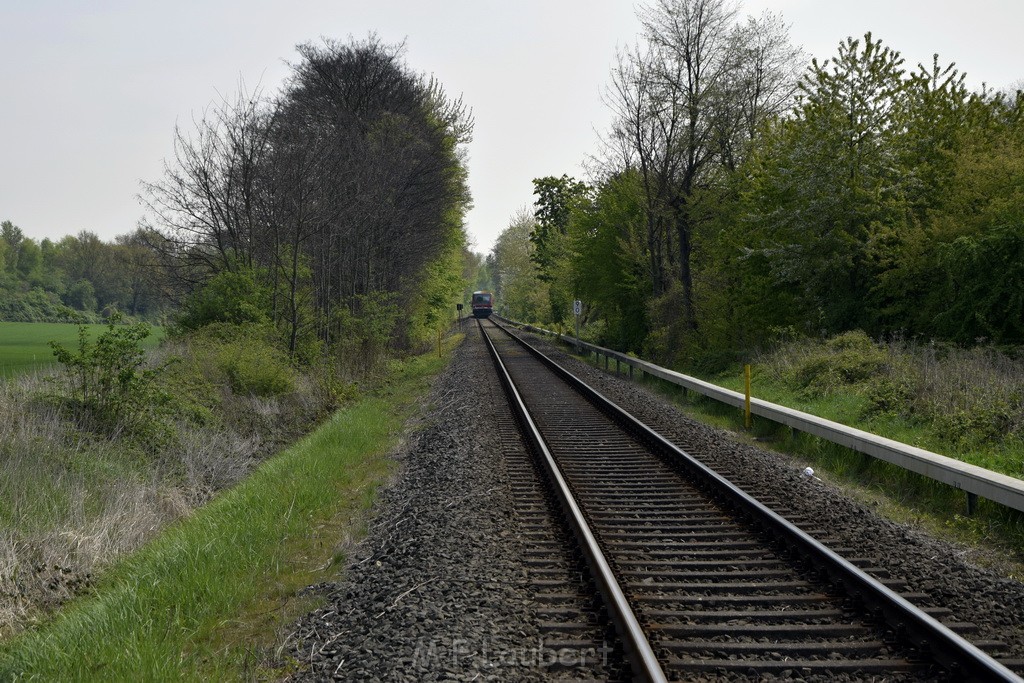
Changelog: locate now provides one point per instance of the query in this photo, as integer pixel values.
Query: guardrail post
(972, 503)
(746, 402)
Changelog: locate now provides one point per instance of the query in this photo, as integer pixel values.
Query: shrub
(847, 359)
(38, 306)
(988, 420)
(362, 334)
(257, 368)
(889, 396)
(228, 297)
(108, 389)
(973, 395)
(81, 295)
(249, 358)
(670, 337)
(964, 396)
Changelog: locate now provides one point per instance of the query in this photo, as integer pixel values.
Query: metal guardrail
(974, 480)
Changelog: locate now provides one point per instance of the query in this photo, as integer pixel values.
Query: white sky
(90, 91)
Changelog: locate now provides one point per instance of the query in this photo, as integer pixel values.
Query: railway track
(697, 578)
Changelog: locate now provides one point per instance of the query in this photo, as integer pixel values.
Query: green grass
(24, 347)
(207, 599)
(848, 407)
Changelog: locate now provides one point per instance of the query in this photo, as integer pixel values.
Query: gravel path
(438, 590)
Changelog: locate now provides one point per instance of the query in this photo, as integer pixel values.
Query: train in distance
(483, 304)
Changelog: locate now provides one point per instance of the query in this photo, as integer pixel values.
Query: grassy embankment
(965, 404)
(209, 598)
(24, 347)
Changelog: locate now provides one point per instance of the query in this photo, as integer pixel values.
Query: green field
(24, 347)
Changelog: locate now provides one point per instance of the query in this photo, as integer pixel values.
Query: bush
(109, 390)
(964, 396)
(670, 335)
(972, 395)
(248, 358)
(228, 297)
(38, 306)
(257, 368)
(81, 295)
(847, 359)
(362, 334)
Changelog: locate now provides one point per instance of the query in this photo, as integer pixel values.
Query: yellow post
(746, 402)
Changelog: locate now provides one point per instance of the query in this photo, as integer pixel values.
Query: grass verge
(850, 407)
(209, 598)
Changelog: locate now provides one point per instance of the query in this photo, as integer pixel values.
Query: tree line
(77, 277)
(329, 211)
(344, 195)
(744, 195)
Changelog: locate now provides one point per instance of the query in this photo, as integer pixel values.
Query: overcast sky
(90, 92)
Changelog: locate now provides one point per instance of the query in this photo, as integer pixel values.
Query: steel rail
(644, 662)
(959, 656)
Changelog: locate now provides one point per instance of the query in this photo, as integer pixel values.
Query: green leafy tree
(12, 238)
(556, 199)
(521, 293)
(977, 232)
(986, 285)
(50, 275)
(30, 260)
(824, 183)
(81, 296)
(609, 262)
(937, 124)
(937, 113)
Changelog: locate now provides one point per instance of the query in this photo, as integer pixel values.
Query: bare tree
(647, 128)
(206, 203)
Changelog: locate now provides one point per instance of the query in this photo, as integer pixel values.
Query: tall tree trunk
(684, 231)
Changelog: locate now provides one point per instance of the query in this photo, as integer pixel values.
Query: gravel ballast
(438, 590)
